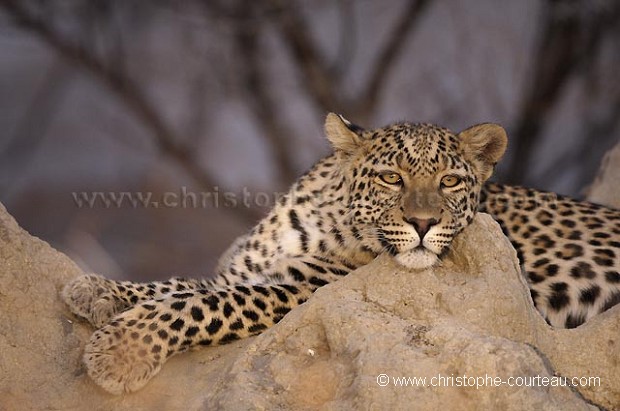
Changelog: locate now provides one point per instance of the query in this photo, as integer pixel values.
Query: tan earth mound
(606, 187)
(344, 349)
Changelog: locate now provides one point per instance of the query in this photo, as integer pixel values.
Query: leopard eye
(450, 181)
(390, 178)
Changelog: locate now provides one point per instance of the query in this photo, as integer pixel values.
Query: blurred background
(141, 137)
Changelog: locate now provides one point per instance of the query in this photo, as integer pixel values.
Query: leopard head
(411, 188)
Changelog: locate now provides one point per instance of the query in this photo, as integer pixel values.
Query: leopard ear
(343, 135)
(484, 145)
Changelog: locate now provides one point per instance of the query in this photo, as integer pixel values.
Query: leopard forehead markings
(406, 190)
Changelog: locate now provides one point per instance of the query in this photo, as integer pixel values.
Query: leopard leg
(98, 299)
(127, 352)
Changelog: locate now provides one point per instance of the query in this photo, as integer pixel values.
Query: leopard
(405, 190)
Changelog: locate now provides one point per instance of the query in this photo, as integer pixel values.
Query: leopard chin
(417, 259)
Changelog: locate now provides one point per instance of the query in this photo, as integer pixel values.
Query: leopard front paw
(91, 297)
(122, 358)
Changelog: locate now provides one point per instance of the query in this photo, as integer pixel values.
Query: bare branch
(348, 40)
(126, 90)
(320, 82)
(386, 57)
(569, 40)
(260, 96)
(247, 29)
(601, 130)
(32, 126)
(306, 55)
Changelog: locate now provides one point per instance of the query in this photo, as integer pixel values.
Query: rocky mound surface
(381, 338)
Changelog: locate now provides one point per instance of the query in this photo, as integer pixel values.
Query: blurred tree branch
(600, 130)
(571, 36)
(295, 34)
(320, 79)
(319, 82)
(260, 96)
(126, 89)
(386, 58)
(247, 28)
(348, 39)
(32, 125)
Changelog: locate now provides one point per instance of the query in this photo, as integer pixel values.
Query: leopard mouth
(418, 258)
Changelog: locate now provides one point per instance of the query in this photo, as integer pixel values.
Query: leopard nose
(421, 226)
